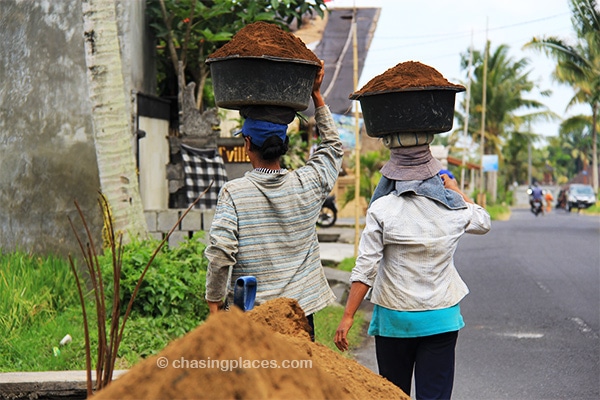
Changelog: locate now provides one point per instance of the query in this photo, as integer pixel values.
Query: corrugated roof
(336, 49)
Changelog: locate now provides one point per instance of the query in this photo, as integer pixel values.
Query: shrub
(173, 288)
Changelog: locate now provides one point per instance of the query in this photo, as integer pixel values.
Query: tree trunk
(112, 135)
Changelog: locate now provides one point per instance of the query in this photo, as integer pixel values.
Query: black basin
(262, 81)
(429, 109)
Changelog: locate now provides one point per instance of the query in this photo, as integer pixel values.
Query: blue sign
(490, 162)
(346, 125)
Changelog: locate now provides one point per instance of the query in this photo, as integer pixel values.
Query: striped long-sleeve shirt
(265, 226)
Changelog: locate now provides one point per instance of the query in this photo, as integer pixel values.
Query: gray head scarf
(411, 163)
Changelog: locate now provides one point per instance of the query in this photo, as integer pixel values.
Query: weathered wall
(47, 156)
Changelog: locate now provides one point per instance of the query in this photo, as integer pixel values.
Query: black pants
(431, 358)
(311, 323)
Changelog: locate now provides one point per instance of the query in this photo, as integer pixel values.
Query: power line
(470, 32)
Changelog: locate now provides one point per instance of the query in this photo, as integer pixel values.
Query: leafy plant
(174, 285)
(108, 340)
(188, 31)
(296, 154)
(370, 164)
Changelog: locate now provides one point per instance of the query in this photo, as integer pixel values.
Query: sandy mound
(265, 39)
(410, 74)
(236, 355)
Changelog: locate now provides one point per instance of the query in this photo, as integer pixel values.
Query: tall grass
(32, 287)
(38, 307)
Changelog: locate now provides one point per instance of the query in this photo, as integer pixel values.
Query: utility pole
(466, 120)
(482, 175)
(529, 153)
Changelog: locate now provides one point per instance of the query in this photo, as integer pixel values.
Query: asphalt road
(532, 317)
(533, 312)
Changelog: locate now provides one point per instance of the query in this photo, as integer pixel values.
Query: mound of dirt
(410, 74)
(263, 354)
(265, 39)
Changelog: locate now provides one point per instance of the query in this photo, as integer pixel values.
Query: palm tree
(578, 65)
(576, 140)
(112, 134)
(561, 161)
(508, 109)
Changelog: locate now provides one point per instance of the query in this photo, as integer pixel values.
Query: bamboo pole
(357, 210)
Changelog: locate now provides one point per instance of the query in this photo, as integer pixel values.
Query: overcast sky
(436, 32)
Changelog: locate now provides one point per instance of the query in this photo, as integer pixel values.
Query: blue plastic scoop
(244, 292)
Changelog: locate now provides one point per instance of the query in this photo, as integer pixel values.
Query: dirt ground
(236, 355)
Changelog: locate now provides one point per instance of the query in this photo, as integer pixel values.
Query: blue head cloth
(445, 171)
(259, 131)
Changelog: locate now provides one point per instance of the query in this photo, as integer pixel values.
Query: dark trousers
(311, 323)
(431, 358)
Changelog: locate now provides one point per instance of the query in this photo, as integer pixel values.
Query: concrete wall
(47, 156)
(160, 222)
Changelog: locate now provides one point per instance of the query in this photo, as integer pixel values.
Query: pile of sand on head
(236, 355)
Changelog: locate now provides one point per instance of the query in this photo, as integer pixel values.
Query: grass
(39, 306)
(498, 212)
(32, 288)
(326, 323)
(593, 210)
(347, 264)
(32, 348)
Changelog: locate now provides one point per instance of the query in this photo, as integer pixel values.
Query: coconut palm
(561, 161)
(577, 141)
(508, 84)
(578, 64)
(508, 110)
(112, 134)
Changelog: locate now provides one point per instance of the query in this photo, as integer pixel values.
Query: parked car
(577, 196)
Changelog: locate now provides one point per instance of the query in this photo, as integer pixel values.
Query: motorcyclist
(537, 194)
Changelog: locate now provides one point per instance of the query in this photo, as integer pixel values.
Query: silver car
(580, 196)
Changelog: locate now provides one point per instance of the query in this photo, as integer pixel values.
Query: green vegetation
(170, 301)
(593, 210)
(32, 287)
(370, 164)
(326, 323)
(347, 264)
(188, 31)
(510, 110)
(39, 306)
(498, 212)
(578, 66)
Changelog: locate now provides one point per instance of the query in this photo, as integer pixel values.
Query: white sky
(436, 32)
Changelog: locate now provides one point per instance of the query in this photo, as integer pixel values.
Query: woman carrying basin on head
(413, 226)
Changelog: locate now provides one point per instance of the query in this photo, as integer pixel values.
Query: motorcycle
(536, 204)
(536, 207)
(328, 214)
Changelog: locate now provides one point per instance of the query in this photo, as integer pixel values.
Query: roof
(336, 49)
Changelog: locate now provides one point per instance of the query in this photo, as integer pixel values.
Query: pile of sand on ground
(236, 355)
